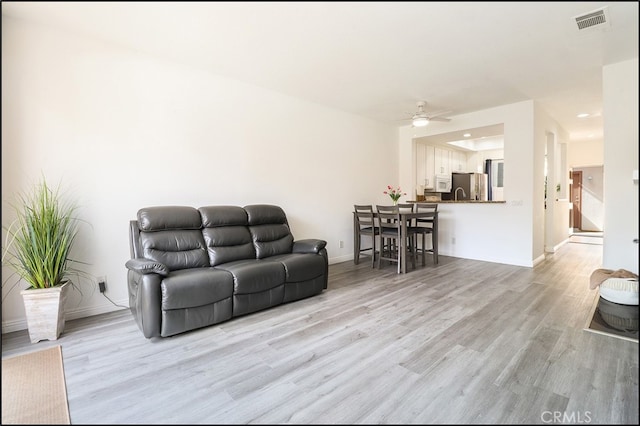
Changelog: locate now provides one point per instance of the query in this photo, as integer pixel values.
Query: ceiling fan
(421, 118)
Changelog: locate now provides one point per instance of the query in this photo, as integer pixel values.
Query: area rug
(614, 319)
(586, 238)
(34, 389)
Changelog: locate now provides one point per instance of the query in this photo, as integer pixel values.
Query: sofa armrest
(145, 301)
(310, 245)
(147, 266)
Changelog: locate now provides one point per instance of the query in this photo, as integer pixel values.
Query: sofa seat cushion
(188, 288)
(254, 276)
(301, 267)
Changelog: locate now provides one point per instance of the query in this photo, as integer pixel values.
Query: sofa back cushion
(226, 234)
(172, 235)
(269, 230)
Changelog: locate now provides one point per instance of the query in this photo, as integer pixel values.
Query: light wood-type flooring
(461, 342)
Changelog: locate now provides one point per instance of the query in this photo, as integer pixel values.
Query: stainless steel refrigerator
(473, 186)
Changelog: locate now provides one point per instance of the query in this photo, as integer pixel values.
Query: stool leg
(373, 250)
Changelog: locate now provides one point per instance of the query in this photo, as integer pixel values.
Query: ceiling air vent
(597, 18)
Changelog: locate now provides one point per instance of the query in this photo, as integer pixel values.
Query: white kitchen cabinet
(432, 160)
(442, 161)
(430, 181)
(425, 166)
(458, 161)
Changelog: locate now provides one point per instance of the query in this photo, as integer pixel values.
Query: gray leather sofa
(192, 268)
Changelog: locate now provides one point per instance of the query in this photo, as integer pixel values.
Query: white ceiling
(377, 59)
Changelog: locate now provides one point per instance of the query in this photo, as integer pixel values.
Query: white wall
(554, 219)
(122, 130)
(590, 154)
(620, 96)
(585, 153)
(592, 198)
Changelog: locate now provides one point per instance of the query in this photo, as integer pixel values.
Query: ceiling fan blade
(439, 119)
(439, 113)
(430, 116)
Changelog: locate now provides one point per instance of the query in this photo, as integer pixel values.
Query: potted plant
(394, 193)
(38, 244)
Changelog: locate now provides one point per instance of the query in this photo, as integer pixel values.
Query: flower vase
(395, 202)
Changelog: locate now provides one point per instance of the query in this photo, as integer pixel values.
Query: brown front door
(576, 198)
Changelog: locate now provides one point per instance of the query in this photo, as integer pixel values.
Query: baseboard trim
(556, 247)
(17, 325)
(539, 260)
(340, 259)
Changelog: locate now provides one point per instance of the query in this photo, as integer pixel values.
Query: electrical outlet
(102, 283)
(341, 244)
(453, 240)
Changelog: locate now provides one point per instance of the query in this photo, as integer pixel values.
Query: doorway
(576, 199)
(587, 199)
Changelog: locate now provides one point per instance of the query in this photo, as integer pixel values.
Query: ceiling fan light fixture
(420, 121)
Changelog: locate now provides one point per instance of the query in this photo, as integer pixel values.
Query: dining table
(406, 218)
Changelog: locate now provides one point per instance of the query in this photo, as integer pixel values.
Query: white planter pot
(45, 311)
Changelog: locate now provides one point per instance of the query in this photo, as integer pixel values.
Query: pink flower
(395, 194)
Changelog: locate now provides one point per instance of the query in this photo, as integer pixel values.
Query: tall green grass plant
(39, 241)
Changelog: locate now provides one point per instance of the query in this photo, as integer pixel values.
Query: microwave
(443, 183)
